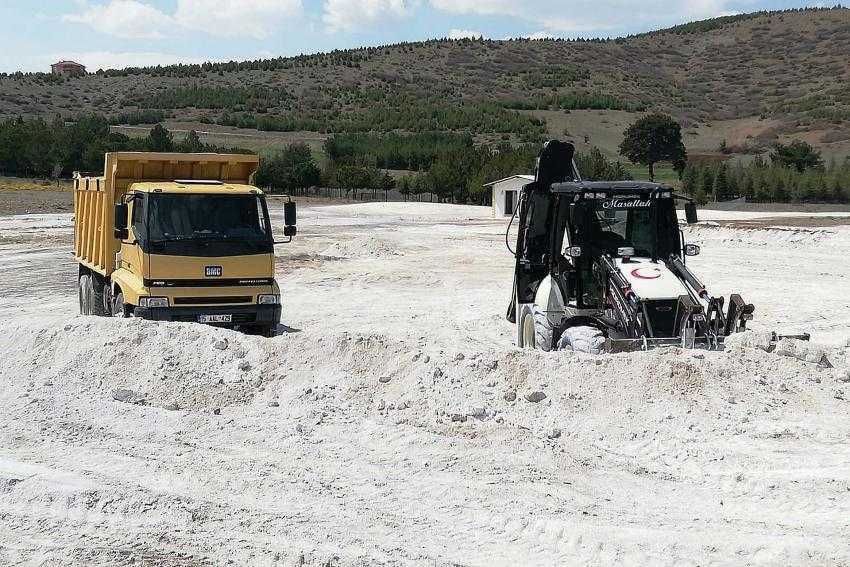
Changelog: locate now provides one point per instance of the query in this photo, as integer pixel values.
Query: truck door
(132, 255)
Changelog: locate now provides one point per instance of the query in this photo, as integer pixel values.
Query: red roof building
(68, 68)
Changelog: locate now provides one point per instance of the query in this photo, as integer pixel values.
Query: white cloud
(541, 35)
(253, 18)
(465, 34)
(358, 15)
(583, 16)
(228, 18)
(125, 18)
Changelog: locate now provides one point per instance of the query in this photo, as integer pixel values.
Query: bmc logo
(213, 271)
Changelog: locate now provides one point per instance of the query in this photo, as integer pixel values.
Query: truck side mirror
(289, 228)
(121, 232)
(691, 213)
(289, 214)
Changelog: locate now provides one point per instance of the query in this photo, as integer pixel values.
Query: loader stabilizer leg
(738, 315)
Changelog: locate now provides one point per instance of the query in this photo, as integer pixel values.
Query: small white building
(506, 194)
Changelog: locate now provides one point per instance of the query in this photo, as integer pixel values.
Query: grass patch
(664, 173)
(8, 184)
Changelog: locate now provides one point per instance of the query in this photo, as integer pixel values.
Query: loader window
(604, 226)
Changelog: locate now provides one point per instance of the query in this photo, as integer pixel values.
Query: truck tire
(98, 297)
(267, 331)
(583, 339)
(537, 330)
(118, 307)
(83, 287)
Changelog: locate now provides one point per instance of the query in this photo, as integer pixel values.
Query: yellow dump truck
(178, 237)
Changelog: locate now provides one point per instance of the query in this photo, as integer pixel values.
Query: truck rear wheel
(98, 296)
(92, 292)
(583, 339)
(537, 330)
(84, 287)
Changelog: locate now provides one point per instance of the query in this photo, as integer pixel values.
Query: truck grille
(212, 300)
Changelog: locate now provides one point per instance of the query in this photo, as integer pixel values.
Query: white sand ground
(382, 427)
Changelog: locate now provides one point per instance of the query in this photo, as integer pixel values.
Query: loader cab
(631, 222)
(608, 222)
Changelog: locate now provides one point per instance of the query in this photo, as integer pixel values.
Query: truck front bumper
(242, 315)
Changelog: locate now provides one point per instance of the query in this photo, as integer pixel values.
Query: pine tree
(720, 186)
(690, 179)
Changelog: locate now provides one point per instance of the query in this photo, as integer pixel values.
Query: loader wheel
(537, 330)
(583, 339)
(84, 288)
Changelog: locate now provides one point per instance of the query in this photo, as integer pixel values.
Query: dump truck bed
(95, 197)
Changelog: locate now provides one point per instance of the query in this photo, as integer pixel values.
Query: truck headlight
(153, 302)
(268, 299)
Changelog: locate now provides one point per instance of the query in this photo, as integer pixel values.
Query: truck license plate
(215, 318)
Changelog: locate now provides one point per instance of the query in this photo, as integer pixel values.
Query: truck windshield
(603, 226)
(208, 224)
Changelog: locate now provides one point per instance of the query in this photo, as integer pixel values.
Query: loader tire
(583, 339)
(84, 289)
(537, 330)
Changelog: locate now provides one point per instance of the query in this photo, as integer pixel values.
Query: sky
(121, 33)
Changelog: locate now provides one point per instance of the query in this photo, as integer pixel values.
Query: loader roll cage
(599, 217)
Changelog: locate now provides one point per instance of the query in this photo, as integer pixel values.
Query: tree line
(451, 167)
(453, 172)
(395, 151)
(765, 180)
(38, 148)
(575, 101)
(394, 113)
(256, 98)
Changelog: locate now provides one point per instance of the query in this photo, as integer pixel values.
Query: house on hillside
(68, 69)
(506, 194)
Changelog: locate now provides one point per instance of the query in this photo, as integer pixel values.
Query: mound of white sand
(162, 437)
(364, 247)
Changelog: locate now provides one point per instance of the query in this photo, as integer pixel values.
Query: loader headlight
(152, 302)
(574, 251)
(692, 250)
(268, 299)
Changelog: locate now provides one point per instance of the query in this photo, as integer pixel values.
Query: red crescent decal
(654, 276)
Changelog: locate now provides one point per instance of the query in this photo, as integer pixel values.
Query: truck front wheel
(267, 331)
(119, 309)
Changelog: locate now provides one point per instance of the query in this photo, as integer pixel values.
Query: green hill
(747, 80)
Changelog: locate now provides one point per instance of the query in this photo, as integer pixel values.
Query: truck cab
(195, 249)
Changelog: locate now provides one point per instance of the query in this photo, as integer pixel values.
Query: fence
(359, 194)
